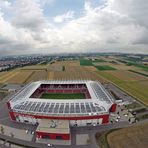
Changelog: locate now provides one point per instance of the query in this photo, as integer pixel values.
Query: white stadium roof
(99, 103)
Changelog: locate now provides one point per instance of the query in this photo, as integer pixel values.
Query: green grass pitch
(63, 96)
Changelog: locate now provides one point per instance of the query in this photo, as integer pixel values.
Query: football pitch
(63, 96)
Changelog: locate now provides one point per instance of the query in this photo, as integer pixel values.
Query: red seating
(61, 88)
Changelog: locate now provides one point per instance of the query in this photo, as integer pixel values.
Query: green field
(144, 67)
(85, 62)
(63, 96)
(105, 67)
(89, 62)
(98, 60)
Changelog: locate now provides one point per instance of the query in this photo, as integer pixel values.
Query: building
(28, 106)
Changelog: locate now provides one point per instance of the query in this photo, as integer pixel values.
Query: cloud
(4, 4)
(45, 2)
(64, 17)
(28, 14)
(136, 9)
(115, 26)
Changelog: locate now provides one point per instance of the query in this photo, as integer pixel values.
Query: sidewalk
(15, 133)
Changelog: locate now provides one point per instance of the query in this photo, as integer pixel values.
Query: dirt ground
(77, 73)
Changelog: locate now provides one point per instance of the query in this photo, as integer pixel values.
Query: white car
(49, 144)
(27, 131)
(116, 120)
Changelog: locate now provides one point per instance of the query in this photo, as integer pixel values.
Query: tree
(2, 129)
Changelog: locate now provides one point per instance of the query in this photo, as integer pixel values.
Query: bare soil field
(35, 67)
(50, 75)
(37, 75)
(77, 73)
(68, 63)
(131, 137)
(91, 68)
(55, 67)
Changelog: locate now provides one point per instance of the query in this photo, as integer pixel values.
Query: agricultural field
(86, 62)
(118, 66)
(131, 137)
(77, 73)
(37, 75)
(5, 76)
(63, 96)
(98, 60)
(20, 77)
(35, 67)
(134, 84)
(55, 67)
(140, 73)
(105, 67)
(144, 67)
(127, 75)
(123, 66)
(68, 63)
(132, 79)
(50, 75)
(89, 62)
(91, 68)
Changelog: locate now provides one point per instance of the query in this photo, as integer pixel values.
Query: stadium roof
(100, 101)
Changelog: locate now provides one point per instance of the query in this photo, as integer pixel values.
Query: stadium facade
(54, 117)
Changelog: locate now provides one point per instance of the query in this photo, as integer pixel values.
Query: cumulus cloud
(28, 14)
(115, 26)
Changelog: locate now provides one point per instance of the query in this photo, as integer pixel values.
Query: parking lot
(122, 114)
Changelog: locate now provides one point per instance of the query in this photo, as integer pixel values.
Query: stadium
(55, 106)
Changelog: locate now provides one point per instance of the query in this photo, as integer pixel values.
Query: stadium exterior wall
(113, 108)
(105, 117)
(52, 136)
(12, 116)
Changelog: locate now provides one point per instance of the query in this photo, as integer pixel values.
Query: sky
(73, 26)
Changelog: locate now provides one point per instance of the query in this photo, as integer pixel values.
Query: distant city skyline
(73, 26)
